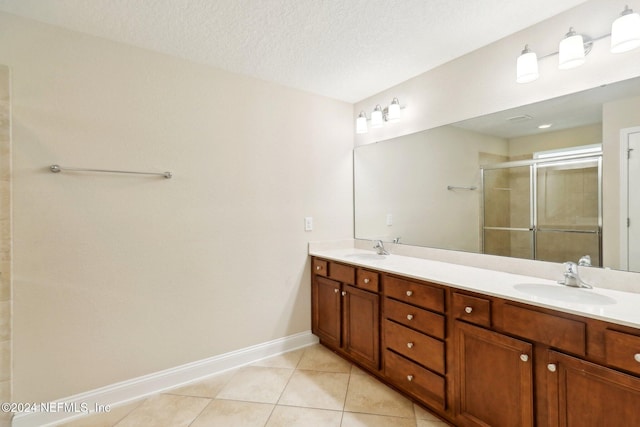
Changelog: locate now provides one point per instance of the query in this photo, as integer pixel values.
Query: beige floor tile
(104, 419)
(423, 414)
(289, 416)
(430, 423)
(209, 387)
(368, 395)
(314, 389)
(350, 419)
(256, 384)
(231, 413)
(165, 410)
(319, 358)
(288, 360)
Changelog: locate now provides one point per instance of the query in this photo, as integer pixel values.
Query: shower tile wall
(5, 244)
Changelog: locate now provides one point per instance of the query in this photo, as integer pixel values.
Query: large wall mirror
(527, 182)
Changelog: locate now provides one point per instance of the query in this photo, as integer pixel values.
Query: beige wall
(120, 276)
(5, 240)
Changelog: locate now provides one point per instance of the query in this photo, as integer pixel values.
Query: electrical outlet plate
(308, 223)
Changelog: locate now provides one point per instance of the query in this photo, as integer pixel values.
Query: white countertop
(619, 307)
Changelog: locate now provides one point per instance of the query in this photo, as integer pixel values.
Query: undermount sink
(564, 294)
(366, 257)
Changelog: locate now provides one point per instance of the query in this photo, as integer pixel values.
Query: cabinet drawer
(368, 280)
(424, 321)
(472, 309)
(421, 382)
(320, 267)
(554, 331)
(342, 273)
(622, 351)
(415, 293)
(418, 347)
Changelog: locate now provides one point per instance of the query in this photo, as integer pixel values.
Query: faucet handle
(585, 261)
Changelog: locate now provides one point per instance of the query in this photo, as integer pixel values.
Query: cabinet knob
(344, 293)
(636, 357)
(410, 317)
(409, 293)
(468, 310)
(524, 357)
(335, 290)
(409, 377)
(551, 367)
(366, 280)
(318, 267)
(410, 344)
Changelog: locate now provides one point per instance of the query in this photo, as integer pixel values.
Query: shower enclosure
(548, 208)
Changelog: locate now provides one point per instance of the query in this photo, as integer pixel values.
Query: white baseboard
(138, 388)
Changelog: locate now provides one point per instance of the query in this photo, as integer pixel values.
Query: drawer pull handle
(524, 357)
(410, 344)
(409, 377)
(636, 357)
(468, 310)
(344, 293)
(318, 267)
(551, 367)
(366, 280)
(409, 293)
(410, 317)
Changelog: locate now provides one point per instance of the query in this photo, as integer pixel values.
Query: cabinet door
(326, 323)
(362, 326)
(494, 381)
(582, 394)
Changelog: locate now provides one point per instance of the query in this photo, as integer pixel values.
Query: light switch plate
(308, 223)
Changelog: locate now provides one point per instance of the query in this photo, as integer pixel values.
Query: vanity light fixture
(376, 117)
(572, 50)
(625, 31)
(379, 116)
(361, 123)
(527, 67)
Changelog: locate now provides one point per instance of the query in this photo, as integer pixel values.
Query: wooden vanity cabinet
(494, 378)
(345, 313)
(414, 332)
(479, 360)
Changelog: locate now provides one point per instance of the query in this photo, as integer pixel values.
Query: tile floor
(307, 387)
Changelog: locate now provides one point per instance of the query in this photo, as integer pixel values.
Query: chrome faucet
(571, 275)
(379, 247)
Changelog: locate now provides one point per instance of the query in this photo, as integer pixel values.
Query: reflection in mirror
(492, 184)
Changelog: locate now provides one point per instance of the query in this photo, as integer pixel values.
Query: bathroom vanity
(480, 347)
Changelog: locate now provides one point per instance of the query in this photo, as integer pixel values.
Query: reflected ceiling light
(361, 123)
(379, 116)
(625, 31)
(376, 117)
(527, 67)
(545, 126)
(571, 51)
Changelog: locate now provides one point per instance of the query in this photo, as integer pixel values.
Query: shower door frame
(533, 166)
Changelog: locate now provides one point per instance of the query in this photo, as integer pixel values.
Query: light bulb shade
(393, 112)
(571, 51)
(361, 123)
(625, 32)
(376, 117)
(527, 67)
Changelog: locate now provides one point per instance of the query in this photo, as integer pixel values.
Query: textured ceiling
(343, 49)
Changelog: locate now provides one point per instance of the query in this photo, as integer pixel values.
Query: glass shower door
(568, 210)
(507, 212)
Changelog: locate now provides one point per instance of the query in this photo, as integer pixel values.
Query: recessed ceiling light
(545, 126)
